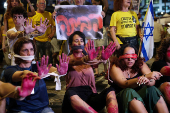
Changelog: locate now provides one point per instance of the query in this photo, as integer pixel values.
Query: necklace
(128, 74)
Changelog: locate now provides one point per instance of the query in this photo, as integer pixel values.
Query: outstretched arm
(9, 90)
(19, 75)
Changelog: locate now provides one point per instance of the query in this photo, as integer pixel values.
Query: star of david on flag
(148, 41)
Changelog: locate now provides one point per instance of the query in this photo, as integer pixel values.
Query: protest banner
(84, 18)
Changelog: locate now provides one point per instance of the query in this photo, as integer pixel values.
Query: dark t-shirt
(33, 103)
(157, 66)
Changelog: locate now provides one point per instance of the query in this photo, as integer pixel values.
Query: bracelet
(3, 34)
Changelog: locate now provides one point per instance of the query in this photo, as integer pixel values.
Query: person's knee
(164, 86)
(74, 98)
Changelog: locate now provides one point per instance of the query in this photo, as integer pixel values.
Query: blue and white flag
(148, 41)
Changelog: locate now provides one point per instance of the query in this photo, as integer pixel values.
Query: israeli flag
(148, 41)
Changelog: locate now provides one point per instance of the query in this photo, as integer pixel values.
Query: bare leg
(111, 103)
(165, 89)
(3, 106)
(161, 106)
(80, 106)
(136, 106)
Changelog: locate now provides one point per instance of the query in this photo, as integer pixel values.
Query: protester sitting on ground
(19, 16)
(24, 50)
(81, 94)
(134, 83)
(162, 64)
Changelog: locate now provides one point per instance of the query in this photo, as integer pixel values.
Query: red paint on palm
(63, 67)
(27, 85)
(42, 69)
(108, 51)
(92, 53)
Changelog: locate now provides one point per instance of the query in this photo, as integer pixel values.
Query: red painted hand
(108, 51)
(42, 69)
(63, 67)
(92, 53)
(27, 85)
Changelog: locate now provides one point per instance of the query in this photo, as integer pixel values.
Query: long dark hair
(161, 52)
(81, 34)
(121, 63)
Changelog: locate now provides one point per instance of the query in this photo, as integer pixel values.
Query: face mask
(79, 47)
(24, 57)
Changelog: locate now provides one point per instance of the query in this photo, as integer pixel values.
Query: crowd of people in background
(31, 50)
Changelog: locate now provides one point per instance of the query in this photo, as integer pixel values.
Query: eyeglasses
(42, 3)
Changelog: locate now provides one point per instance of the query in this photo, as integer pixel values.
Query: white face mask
(24, 57)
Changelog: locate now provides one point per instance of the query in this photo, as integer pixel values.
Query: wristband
(3, 34)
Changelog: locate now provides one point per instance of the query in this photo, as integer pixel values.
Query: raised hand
(28, 28)
(108, 51)
(28, 84)
(92, 53)
(43, 26)
(42, 69)
(63, 67)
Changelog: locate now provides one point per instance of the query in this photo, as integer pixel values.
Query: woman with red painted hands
(133, 82)
(81, 95)
(37, 102)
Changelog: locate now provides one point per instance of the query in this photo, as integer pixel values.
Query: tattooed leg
(80, 106)
(111, 103)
